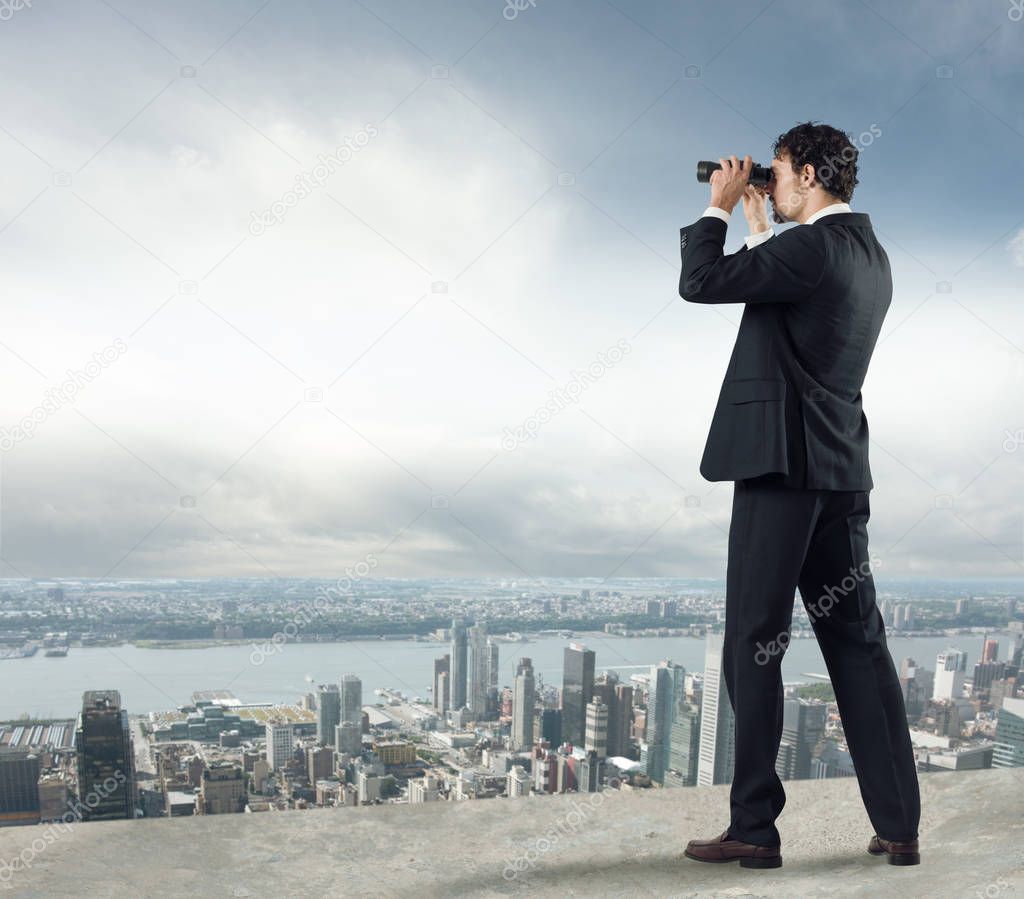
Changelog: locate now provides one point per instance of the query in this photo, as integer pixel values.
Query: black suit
(816, 296)
(790, 431)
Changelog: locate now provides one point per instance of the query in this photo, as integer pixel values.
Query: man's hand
(754, 199)
(729, 183)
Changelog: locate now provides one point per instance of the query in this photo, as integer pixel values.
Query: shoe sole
(899, 858)
(745, 862)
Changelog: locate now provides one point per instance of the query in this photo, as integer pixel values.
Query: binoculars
(759, 174)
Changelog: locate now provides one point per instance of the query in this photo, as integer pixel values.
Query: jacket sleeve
(785, 269)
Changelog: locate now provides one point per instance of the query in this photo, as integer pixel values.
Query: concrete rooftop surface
(610, 844)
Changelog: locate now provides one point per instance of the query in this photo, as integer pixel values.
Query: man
(789, 430)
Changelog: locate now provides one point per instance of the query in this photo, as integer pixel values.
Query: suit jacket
(790, 403)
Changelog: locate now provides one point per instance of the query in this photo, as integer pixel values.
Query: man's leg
(768, 537)
(838, 591)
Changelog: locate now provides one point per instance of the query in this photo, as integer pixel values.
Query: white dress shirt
(753, 240)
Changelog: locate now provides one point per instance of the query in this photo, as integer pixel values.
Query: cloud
(228, 332)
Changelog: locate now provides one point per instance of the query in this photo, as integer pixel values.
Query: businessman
(790, 432)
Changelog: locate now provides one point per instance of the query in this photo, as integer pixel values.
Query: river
(153, 679)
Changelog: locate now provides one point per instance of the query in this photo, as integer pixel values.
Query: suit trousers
(782, 538)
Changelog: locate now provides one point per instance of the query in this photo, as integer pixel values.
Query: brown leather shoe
(723, 849)
(899, 853)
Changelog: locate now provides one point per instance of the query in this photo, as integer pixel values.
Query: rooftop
(614, 844)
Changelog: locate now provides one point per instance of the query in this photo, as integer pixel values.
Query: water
(154, 679)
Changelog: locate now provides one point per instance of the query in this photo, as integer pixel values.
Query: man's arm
(751, 240)
(785, 269)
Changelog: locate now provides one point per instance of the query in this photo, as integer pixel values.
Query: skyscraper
(479, 671)
(349, 732)
(596, 737)
(19, 786)
(457, 676)
(493, 668)
(351, 695)
(950, 673)
(660, 706)
(328, 712)
(106, 763)
(717, 721)
(803, 725)
(620, 721)
(349, 737)
(684, 752)
(442, 673)
(523, 701)
(577, 691)
(604, 687)
(280, 744)
(1009, 749)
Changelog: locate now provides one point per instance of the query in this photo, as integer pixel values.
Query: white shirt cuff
(753, 240)
(718, 213)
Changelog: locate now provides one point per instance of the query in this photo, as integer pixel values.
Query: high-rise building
(458, 676)
(280, 744)
(349, 737)
(990, 650)
(803, 725)
(620, 721)
(950, 673)
(660, 701)
(483, 673)
(666, 694)
(684, 752)
(1009, 749)
(222, 790)
(442, 672)
(588, 772)
(596, 736)
(106, 763)
(351, 691)
(517, 782)
(577, 691)
(985, 674)
(328, 712)
(493, 669)
(523, 702)
(19, 786)
(550, 726)
(717, 721)
(319, 763)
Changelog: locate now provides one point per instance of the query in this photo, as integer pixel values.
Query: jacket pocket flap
(751, 389)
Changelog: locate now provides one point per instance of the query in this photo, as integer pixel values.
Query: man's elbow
(692, 290)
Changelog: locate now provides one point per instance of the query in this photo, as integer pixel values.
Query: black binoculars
(759, 174)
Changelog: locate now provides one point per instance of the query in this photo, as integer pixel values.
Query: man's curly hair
(828, 149)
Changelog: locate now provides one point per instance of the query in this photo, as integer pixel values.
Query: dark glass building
(106, 765)
(577, 691)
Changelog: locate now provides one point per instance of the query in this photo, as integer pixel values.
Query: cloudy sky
(219, 393)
